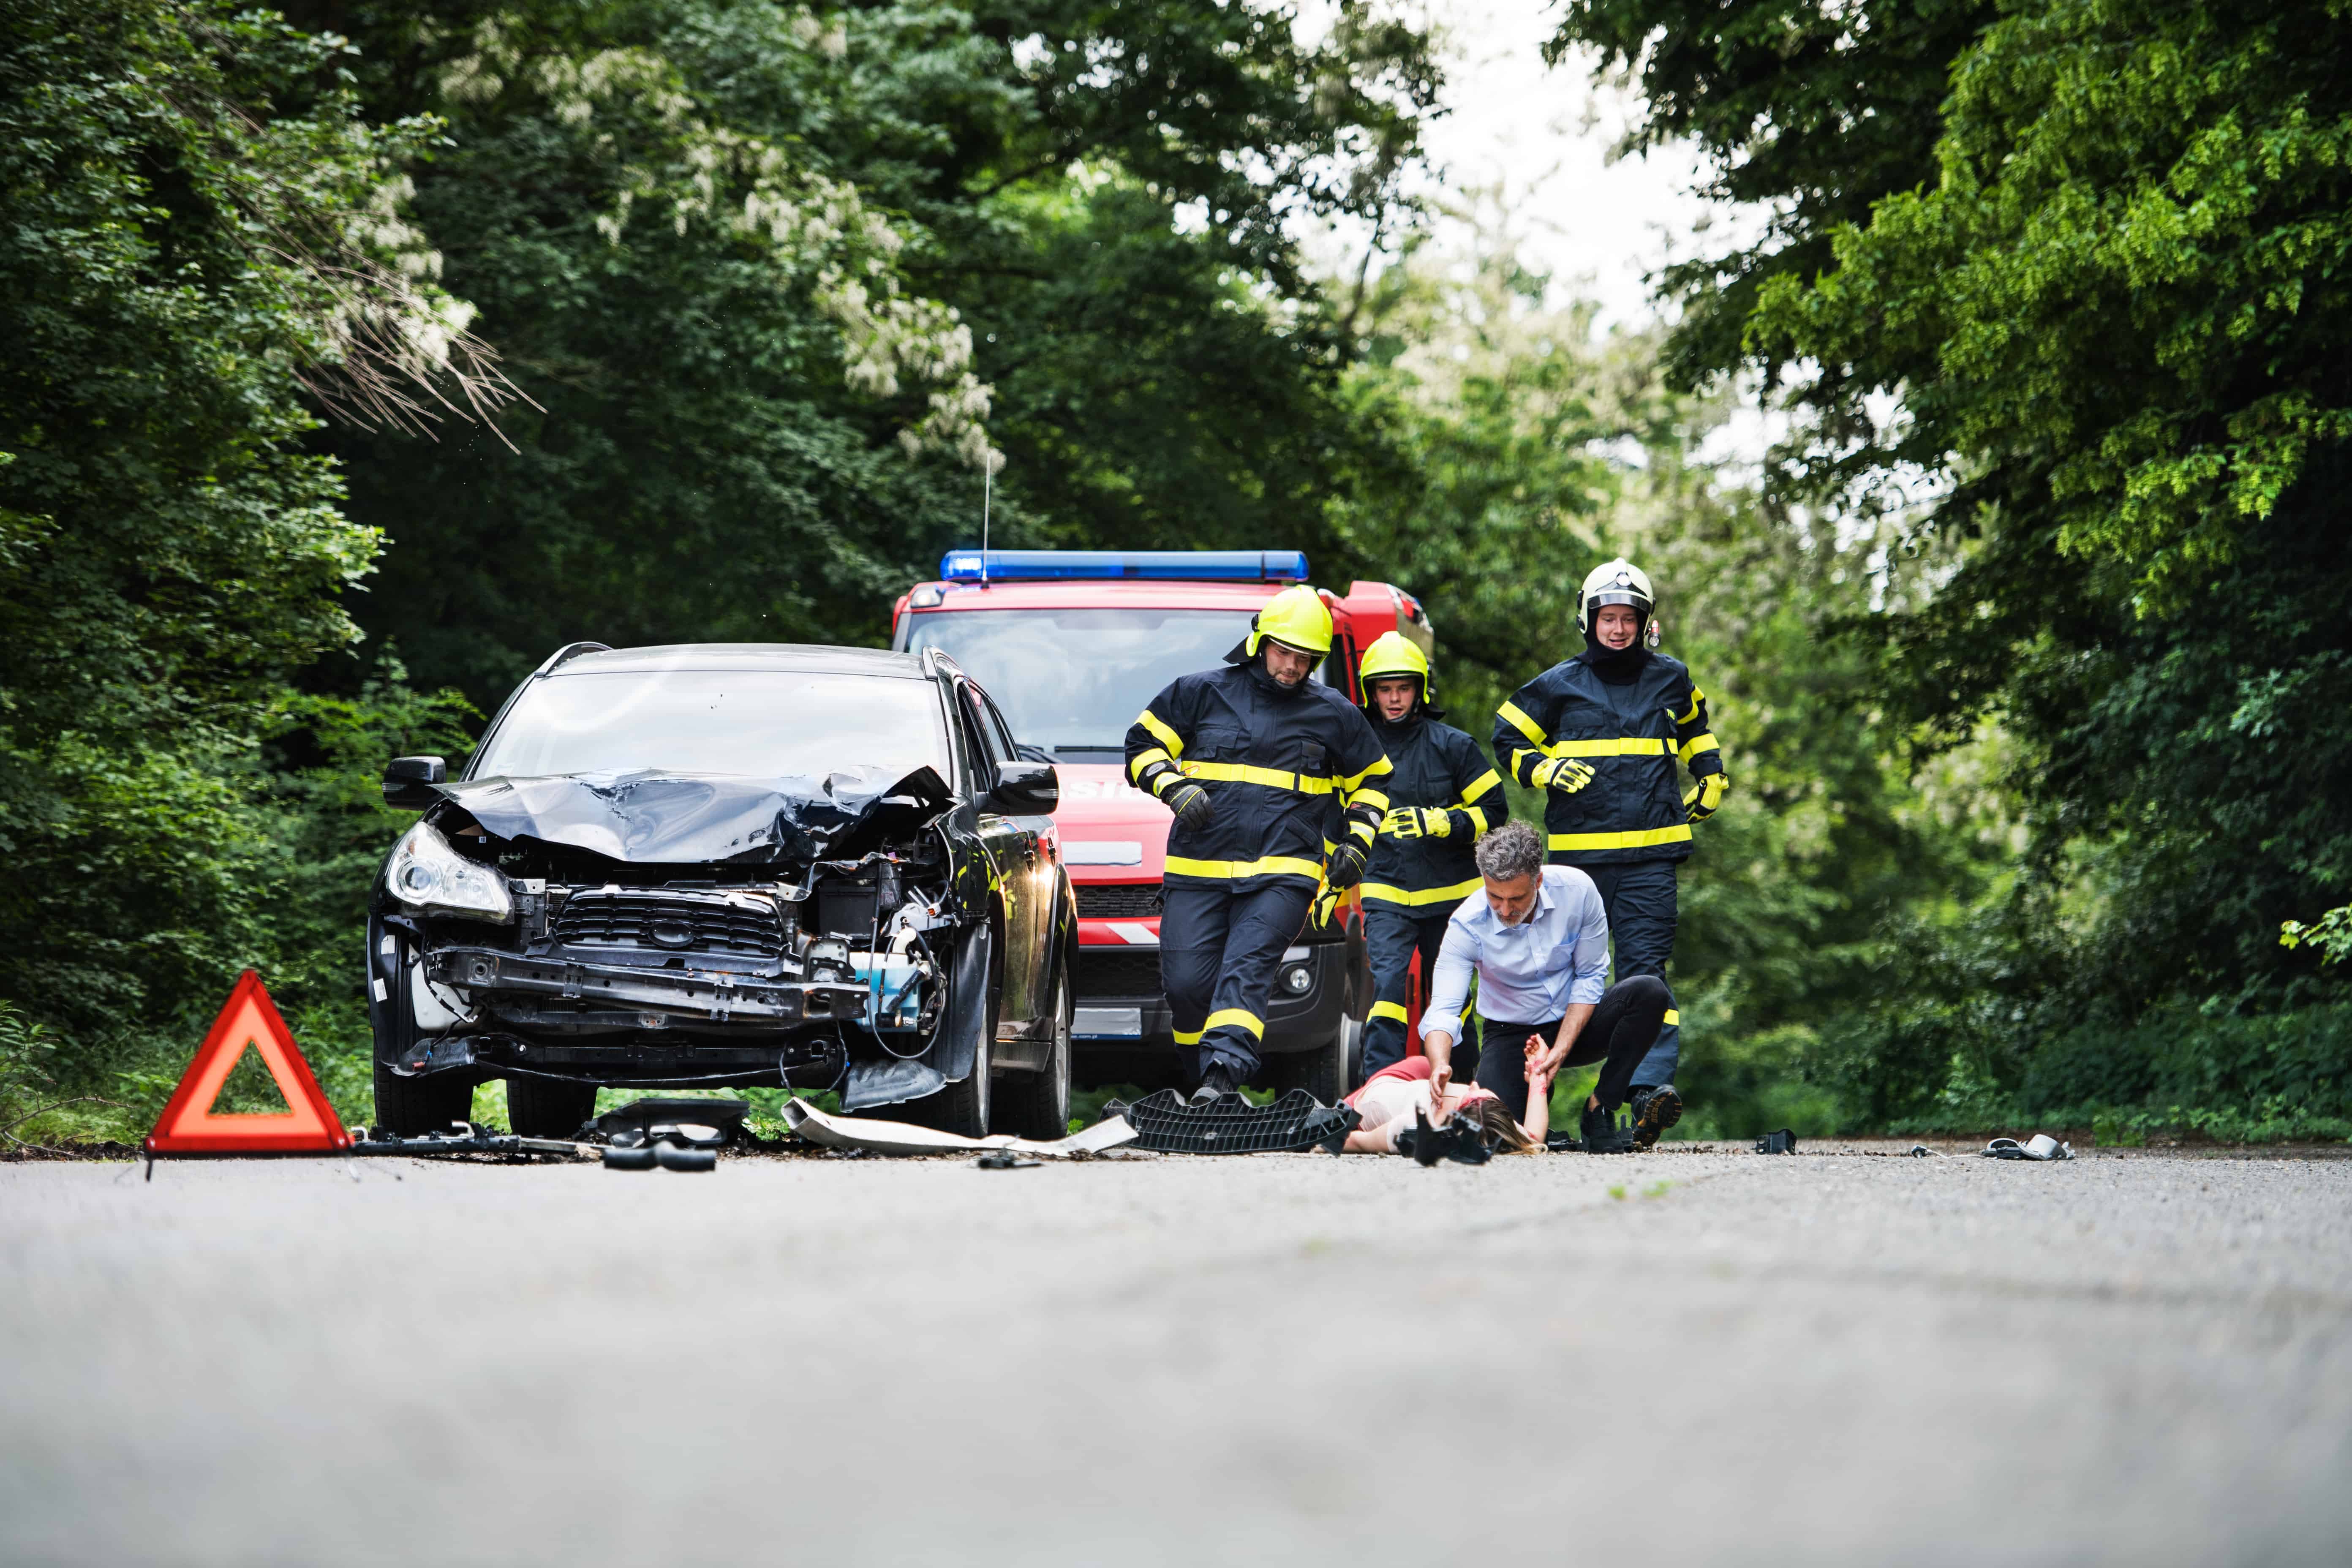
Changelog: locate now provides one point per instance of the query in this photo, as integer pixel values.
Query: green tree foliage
(1810, 110)
(186, 193)
(2102, 289)
(1078, 208)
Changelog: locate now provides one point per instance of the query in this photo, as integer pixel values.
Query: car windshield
(764, 723)
(1073, 680)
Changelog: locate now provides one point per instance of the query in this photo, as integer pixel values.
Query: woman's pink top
(1390, 1096)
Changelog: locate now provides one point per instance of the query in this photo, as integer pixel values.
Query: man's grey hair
(1510, 852)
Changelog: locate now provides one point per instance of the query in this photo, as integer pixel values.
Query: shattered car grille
(709, 923)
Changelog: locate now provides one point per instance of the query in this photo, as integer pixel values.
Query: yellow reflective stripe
(1188, 1036)
(1509, 714)
(1233, 871)
(1695, 744)
(1388, 1010)
(1673, 1017)
(1144, 760)
(1359, 828)
(1382, 893)
(1367, 797)
(1678, 833)
(1161, 732)
(1481, 785)
(1634, 747)
(1244, 772)
(1699, 698)
(1350, 782)
(1224, 1015)
(1478, 815)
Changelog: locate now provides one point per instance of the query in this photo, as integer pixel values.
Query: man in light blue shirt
(1538, 939)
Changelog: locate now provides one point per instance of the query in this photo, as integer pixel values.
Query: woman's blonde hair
(1493, 1120)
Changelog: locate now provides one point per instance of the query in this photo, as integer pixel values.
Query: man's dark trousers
(1218, 949)
(1624, 1023)
(1640, 898)
(1392, 935)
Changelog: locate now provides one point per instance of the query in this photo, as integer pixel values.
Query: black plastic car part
(689, 1123)
(1231, 1125)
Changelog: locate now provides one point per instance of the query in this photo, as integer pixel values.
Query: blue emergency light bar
(1124, 565)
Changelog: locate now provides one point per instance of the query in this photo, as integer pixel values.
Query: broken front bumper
(485, 975)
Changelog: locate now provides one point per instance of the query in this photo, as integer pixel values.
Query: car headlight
(426, 874)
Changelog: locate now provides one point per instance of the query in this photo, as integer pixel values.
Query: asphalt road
(1293, 1359)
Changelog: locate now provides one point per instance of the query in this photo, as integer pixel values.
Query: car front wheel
(1038, 1104)
(964, 1106)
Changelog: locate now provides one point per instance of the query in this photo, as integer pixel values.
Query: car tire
(1038, 1104)
(548, 1106)
(1327, 1071)
(412, 1106)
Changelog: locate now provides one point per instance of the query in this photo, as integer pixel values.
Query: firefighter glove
(1417, 822)
(1565, 775)
(1347, 866)
(1189, 801)
(1706, 796)
(1326, 905)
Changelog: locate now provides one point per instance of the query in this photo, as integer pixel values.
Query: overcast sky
(1543, 135)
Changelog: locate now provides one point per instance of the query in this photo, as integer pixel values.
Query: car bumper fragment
(717, 998)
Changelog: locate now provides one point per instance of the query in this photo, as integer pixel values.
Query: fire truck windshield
(1073, 680)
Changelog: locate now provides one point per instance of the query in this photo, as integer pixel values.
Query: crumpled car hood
(677, 818)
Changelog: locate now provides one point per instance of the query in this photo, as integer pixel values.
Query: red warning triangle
(188, 1125)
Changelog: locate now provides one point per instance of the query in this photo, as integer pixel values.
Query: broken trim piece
(905, 1137)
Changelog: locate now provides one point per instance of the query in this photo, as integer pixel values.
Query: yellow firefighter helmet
(1392, 654)
(1296, 617)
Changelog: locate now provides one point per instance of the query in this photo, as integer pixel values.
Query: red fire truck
(1071, 645)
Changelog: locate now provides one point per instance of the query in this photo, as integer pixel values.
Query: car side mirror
(407, 781)
(1026, 789)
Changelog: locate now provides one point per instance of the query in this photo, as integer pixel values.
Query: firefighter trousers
(1640, 900)
(1218, 949)
(1393, 934)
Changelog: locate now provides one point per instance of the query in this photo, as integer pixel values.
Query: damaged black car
(715, 866)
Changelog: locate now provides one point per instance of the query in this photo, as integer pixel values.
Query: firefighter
(1443, 794)
(1603, 735)
(1249, 758)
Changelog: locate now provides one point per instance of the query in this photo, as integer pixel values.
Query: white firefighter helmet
(1618, 582)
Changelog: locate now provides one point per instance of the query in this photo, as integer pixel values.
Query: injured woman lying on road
(1396, 1098)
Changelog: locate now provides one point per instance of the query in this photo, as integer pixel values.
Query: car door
(1012, 843)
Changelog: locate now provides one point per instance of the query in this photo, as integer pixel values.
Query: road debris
(465, 1138)
(1458, 1140)
(2041, 1146)
(1004, 1160)
(857, 1133)
(1781, 1142)
(689, 1123)
(1231, 1125)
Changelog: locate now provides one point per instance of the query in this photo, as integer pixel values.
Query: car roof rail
(566, 654)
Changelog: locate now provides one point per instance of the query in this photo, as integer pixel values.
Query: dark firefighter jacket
(1632, 736)
(1433, 765)
(1273, 762)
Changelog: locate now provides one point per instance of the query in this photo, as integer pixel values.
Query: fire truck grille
(1117, 974)
(1117, 900)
